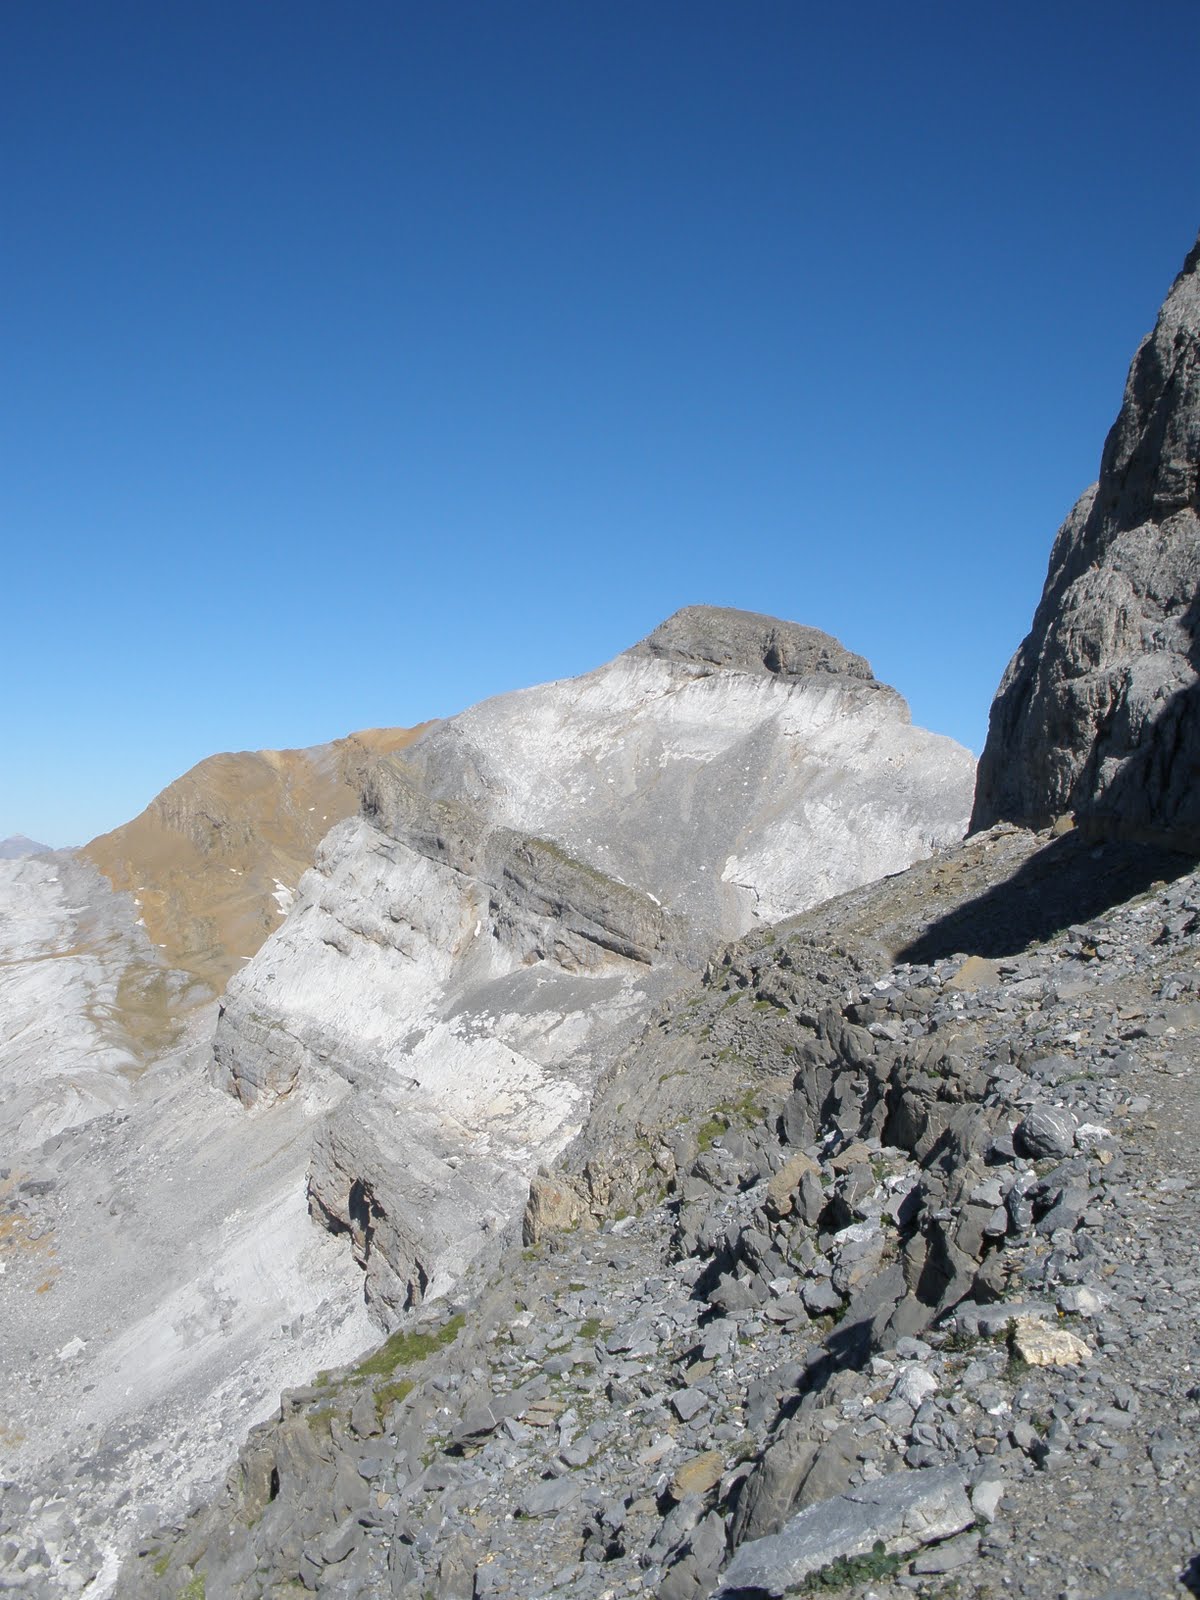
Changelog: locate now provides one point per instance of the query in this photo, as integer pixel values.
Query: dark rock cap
(745, 641)
(1098, 712)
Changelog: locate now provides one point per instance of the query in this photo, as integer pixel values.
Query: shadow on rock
(1154, 795)
(1070, 880)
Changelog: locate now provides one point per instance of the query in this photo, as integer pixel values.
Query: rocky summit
(528, 881)
(1099, 709)
(658, 1155)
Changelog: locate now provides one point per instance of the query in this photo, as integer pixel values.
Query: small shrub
(712, 1129)
(846, 1570)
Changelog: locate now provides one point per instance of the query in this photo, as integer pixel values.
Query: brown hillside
(207, 857)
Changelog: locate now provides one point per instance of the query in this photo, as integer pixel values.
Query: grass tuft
(390, 1394)
(405, 1349)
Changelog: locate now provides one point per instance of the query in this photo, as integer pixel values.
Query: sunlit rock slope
(85, 998)
(532, 876)
(214, 859)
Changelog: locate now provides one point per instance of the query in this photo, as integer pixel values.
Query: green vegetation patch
(846, 1570)
(710, 1130)
(390, 1394)
(960, 1342)
(405, 1348)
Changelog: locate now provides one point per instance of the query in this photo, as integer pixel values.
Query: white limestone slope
(68, 949)
(736, 797)
(160, 1277)
(464, 959)
(161, 1283)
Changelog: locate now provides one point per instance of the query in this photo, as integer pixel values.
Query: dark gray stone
(1046, 1131)
(904, 1510)
(1097, 711)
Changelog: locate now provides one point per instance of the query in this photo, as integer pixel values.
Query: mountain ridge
(514, 900)
(254, 816)
(18, 845)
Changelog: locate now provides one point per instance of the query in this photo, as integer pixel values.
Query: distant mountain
(17, 845)
(213, 860)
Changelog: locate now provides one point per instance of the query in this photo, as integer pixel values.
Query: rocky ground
(871, 1272)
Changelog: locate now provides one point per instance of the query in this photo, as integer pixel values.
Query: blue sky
(362, 361)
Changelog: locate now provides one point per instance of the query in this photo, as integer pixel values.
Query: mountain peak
(747, 641)
(18, 845)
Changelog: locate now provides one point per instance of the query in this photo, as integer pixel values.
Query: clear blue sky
(360, 361)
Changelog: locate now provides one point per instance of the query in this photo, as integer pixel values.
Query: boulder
(902, 1511)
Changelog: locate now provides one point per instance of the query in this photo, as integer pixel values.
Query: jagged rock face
(529, 880)
(213, 861)
(1097, 711)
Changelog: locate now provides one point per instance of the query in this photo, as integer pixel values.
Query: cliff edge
(1097, 711)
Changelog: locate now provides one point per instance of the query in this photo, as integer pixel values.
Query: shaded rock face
(529, 881)
(1097, 711)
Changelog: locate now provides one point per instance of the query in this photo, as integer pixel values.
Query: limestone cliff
(1097, 712)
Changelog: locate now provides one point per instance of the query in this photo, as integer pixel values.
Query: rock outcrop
(533, 876)
(1098, 712)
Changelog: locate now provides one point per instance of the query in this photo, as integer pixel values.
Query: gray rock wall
(1097, 711)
